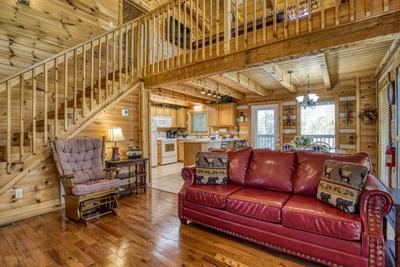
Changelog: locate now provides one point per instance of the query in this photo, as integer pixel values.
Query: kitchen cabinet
(222, 115)
(159, 111)
(181, 118)
(181, 150)
(159, 152)
(173, 115)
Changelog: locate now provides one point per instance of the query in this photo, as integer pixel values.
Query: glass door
(264, 125)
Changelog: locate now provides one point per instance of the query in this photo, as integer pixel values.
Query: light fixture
(309, 100)
(115, 135)
(215, 95)
(209, 93)
(219, 96)
(203, 92)
(197, 108)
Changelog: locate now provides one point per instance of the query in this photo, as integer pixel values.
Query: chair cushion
(310, 214)
(271, 169)
(94, 186)
(310, 166)
(211, 195)
(257, 203)
(238, 164)
(81, 157)
(211, 168)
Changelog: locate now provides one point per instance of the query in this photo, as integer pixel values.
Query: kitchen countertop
(208, 140)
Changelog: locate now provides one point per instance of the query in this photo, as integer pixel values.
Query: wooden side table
(393, 221)
(135, 178)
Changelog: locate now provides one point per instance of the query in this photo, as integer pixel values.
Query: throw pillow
(342, 184)
(211, 168)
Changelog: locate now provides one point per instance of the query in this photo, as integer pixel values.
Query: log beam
(325, 72)
(186, 89)
(213, 86)
(281, 76)
(246, 83)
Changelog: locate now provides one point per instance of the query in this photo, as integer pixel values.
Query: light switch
(125, 112)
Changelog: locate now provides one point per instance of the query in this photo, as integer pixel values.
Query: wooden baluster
(126, 55)
(46, 109)
(264, 20)
(9, 132)
(217, 29)
(91, 75)
(337, 14)
(367, 8)
(285, 18)
(169, 38)
(162, 39)
(185, 33)
(352, 10)
(309, 16)
(158, 45)
(197, 30)
(21, 118)
(237, 24)
(120, 59)
(254, 22)
(227, 26)
(386, 5)
(151, 46)
(83, 81)
(322, 7)
(297, 17)
(274, 22)
(132, 51)
(34, 85)
(113, 63)
(75, 86)
(99, 74)
(191, 32)
(107, 90)
(203, 55)
(146, 45)
(55, 97)
(179, 33)
(210, 42)
(245, 25)
(173, 35)
(66, 92)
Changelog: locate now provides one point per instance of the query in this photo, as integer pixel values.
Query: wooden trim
(55, 134)
(358, 110)
(45, 103)
(21, 118)
(34, 102)
(9, 129)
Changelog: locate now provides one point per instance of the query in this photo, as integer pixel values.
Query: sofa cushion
(310, 214)
(211, 168)
(271, 170)
(211, 195)
(257, 203)
(310, 166)
(238, 164)
(94, 186)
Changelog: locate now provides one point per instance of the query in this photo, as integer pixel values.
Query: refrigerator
(153, 142)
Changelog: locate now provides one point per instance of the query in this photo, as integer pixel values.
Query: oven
(169, 151)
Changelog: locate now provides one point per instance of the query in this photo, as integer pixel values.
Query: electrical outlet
(19, 193)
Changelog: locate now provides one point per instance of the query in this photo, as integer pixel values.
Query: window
(199, 122)
(319, 123)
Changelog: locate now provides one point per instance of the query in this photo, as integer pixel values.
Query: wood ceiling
(326, 69)
(29, 34)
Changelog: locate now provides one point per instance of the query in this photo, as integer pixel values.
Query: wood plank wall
(29, 34)
(41, 186)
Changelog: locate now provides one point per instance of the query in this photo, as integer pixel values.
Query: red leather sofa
(271, 200)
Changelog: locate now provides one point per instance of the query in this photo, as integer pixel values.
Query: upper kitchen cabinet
(222, 115)
(181, 118)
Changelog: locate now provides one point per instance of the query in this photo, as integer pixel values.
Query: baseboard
(15, 215)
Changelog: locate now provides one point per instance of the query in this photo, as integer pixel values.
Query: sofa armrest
(375, 203)
(188, 174)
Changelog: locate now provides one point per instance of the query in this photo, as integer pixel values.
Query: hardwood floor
(146, 232)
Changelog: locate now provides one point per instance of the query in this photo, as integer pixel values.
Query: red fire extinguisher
(390, 156)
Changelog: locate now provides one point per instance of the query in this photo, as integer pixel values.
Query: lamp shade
(115, 134)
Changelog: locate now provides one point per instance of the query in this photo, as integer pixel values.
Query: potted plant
(299, 142)
(368, 115)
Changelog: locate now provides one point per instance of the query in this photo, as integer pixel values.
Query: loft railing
(184, 32)
(265, 141)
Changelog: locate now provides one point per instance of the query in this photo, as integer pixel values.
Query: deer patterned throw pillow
(342, 184)
(211, 168)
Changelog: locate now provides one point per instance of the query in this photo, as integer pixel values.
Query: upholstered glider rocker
(90, 190)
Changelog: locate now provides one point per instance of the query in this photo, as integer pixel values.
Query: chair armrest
(188, 174)
(112, 172)
(68, 182)
(375, 203)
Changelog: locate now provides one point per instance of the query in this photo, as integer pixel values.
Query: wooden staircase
(60, 96)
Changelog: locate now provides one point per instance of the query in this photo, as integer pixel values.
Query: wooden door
(181, 118)
(174, 118)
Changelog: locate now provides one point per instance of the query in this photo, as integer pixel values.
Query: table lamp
(115, 135)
